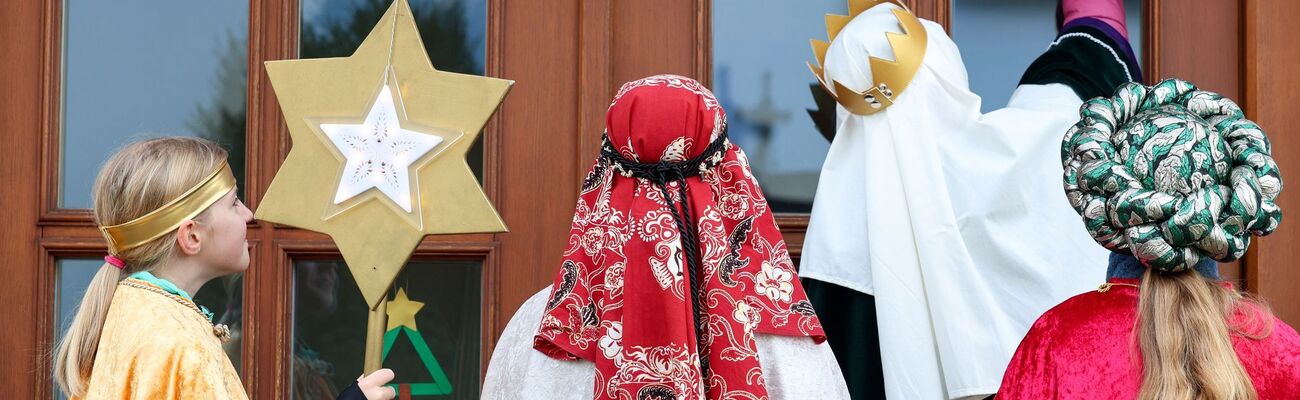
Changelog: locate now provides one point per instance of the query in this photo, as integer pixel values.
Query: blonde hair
(1185, 324)
(138, 179)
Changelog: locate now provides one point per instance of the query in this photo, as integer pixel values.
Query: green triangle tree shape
(440, 385)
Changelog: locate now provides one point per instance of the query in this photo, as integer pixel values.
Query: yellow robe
(155, 347)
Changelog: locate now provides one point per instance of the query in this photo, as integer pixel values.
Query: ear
(189, 238)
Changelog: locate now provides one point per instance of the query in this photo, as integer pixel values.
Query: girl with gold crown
(953, 219)
(169, 211)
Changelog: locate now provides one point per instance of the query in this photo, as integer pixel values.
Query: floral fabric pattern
(622, 297)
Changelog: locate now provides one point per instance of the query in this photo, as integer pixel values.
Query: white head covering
(953, 219)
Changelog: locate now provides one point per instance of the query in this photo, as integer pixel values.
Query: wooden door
(275, 304)
(568, 58)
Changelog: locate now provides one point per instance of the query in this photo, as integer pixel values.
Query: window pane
(225, 298)
(453, 33)
(998, 40)
(760, 78)
(330, 318)
(73, 275)
(140, 69)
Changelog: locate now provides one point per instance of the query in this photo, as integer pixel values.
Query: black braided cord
(661, 173)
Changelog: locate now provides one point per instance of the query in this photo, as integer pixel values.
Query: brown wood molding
(51, 79)
(1201, 42)
(80, 217)
(43, 341)
(492, 156)
(267, 335)
(939, 11)
(595, 85)
(1269, 96)
(28, 111)
(1185, 34)
(272, 35)
(288, 234)
(703, 60)
(52, 249)
(539, 46)
(266, 353)
(322, 249)
(1151, 44)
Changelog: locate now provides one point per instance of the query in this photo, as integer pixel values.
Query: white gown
(795, 368)
(955, 221)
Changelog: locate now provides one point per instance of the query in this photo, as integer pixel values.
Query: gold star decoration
(379, 144)
(401, 311)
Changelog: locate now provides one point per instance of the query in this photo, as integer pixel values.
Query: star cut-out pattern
(379, 153)
(376, 237)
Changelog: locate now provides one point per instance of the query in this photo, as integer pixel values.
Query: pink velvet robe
(1084, 348)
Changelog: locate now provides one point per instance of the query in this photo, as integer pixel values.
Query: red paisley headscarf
(626, 297)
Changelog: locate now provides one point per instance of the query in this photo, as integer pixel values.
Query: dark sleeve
(823, 116)
(849, 319)
(352, 392)
(1089, 57)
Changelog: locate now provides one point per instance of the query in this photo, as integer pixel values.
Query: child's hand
(373, 385)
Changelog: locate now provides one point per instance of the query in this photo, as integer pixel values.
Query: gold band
(167, 218)
(1105, 287)
(891, 76)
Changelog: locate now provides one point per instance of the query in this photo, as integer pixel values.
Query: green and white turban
(1171, 174)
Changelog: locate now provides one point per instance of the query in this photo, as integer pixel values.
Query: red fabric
(621, 298)
(1084, 348)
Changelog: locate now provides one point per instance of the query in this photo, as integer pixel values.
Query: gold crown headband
(891, 77)
(167, 218)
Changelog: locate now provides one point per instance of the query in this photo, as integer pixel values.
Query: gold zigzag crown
(891, 77)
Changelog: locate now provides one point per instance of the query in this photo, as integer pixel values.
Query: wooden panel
(939, 11)
(1197, 41)
(51, 73)
(491, 288)
(538, 48)
(45, 286)
(267, 319)
(24, 29)
(1200, 42)
(597, 87)
(653, 38)
(1271, 85)
(568, 61)
(793, 229)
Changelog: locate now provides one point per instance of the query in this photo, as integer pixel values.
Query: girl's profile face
(227, 221)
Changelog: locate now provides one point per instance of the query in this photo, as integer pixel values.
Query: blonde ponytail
(1185, 324)
(76, 352)
(138, 179)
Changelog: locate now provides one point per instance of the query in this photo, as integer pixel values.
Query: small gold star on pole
(401, 311)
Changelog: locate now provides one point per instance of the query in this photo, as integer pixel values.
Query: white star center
(379, 153)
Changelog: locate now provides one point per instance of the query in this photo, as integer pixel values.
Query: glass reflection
(1000, 38)
(147, 68)
(760, 78)
(330, 317)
